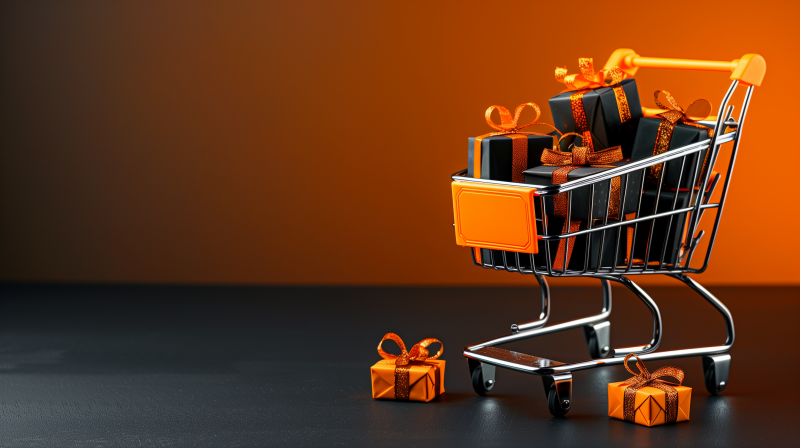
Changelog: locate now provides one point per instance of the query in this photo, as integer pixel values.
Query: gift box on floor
(411, 376)
(674, 129)
(648, 400)
(504, 155)
(603, 107)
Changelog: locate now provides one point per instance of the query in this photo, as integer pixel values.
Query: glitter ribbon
(509, 126)
(698, 110)
(418, 354)
(587, 80)
(646, 379)
(568, 161)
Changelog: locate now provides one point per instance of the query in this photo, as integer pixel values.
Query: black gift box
(682, 135)
(660, 225)
(602, 116)
(581, 197)
(497, 155)
(611, 239)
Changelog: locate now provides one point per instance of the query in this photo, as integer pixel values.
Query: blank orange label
(495, 217)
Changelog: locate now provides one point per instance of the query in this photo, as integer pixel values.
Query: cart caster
(482, 376)
(558, 389)
(598, 338)
(716, 368)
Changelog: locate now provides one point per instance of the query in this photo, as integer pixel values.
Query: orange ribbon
(510, 126)
(674, 114)
(568, 161)
(586, 80)
(646, 379)
(419, 353)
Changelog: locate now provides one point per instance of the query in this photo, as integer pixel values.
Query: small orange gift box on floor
(413, 375)
(646, 399)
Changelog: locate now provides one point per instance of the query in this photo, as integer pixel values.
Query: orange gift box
(647, 400)
(413, 375)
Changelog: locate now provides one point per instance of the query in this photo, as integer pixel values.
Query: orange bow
(588, 78)
(697, 111)
(509, 125)
(580, 155)
(419, 351)
(646, 379)
(674, 114)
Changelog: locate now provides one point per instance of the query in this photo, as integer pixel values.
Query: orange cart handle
(749, 69)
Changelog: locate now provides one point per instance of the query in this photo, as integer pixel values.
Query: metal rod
(728, 176)
(611, 172)
(544, 315)
(525, 334)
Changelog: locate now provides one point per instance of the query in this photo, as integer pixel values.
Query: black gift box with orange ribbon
(675, 225)
(497, 156)
(682, 135)
(609, 114)
(582, 197)
(505, 153)
(674, 128)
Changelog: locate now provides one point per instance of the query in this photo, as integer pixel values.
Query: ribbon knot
(646, 379)
(580, 156)
(418, 352)
(588, 78)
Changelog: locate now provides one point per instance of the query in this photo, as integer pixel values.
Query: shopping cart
(505, 226)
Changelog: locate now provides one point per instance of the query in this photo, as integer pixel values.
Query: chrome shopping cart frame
(484, 357)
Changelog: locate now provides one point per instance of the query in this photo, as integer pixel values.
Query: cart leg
(482, 376)
(558, 389)
(716, 368)
(651, 305)
(544, 315)
(598, 338)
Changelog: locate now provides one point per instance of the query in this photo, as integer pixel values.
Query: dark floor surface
(168, 366)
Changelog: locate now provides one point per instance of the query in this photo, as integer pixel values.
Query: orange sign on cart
(495, 217)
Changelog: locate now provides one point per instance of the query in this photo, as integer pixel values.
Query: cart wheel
(556, 408)
(558, 388)
(482, 377)
(716, 370)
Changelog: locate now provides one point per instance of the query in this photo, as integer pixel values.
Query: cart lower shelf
(484, 357)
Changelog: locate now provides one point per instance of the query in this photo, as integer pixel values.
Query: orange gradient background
(312, 142)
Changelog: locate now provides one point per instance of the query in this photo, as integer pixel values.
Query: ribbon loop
(588, 78)
(419, 352)
(509, 124)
